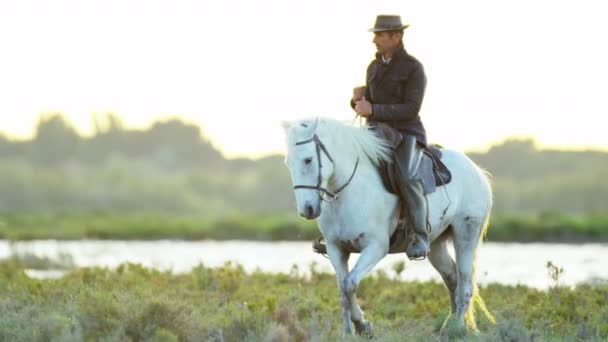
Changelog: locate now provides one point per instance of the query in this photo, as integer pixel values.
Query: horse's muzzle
(310, 212)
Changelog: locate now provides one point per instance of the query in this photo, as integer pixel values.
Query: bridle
(324, 194)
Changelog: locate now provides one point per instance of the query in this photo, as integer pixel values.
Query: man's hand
(358, 93)
(363, 107)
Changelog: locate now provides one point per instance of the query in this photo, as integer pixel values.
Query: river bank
(503, 263)
(548, 227)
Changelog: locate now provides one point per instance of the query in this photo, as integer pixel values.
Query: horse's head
(310, 166)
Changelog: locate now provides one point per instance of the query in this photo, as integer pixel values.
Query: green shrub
(225, 303)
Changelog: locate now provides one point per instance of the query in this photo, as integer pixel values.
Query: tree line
(170, 143)
(171, 167)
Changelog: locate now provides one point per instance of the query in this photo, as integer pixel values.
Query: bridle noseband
(324, 193)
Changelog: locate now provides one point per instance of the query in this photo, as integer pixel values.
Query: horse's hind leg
(466, 238)
(442, 261)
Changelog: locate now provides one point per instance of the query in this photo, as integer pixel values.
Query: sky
(495, 69)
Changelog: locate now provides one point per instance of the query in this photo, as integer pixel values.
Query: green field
(540, 228)
(133, 303)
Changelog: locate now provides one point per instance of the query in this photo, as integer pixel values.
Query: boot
(413, 203)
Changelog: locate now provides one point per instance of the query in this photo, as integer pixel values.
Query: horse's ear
(315, 123)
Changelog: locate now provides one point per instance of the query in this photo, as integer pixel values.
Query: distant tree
(515, 146)
(176, 143)
(55, 140)
(11, 148)
(110, 122)
(5, 146)
(169, 143)
(510, 158)
(109, 138)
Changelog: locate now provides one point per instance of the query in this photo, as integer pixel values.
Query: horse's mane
(358, 141)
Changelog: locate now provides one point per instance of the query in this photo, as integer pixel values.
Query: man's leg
(413, 203)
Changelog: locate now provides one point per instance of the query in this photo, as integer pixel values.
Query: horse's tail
(476, 300)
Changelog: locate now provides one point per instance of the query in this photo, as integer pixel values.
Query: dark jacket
(396, 90)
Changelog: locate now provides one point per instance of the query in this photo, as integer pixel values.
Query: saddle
(432, 171)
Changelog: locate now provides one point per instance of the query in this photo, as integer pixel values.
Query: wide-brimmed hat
(388, 23)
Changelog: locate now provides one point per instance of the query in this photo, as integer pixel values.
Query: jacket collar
(399, 53)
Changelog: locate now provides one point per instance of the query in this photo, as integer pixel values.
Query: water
(504, 263)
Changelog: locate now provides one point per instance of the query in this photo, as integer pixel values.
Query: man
(393, 94)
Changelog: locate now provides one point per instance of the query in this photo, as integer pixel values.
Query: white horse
(333, 169)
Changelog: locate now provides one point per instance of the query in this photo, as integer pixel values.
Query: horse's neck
(364, 200)
(366, 176)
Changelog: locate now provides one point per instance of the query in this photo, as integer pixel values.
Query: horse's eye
(307, 161)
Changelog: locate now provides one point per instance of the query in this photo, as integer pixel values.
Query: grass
(228, 304)
(151, 227)
(546, 227)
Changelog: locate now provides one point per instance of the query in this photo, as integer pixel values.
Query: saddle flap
(441, 172)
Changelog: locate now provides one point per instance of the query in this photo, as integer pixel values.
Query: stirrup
(318, 245)
(420, 258)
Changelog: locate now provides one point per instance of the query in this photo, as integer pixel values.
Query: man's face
(386, 42)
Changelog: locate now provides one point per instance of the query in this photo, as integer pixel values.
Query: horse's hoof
(453, 328)
(348, 329)
(364, 328)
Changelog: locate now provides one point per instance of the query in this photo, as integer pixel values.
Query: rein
(323, 192)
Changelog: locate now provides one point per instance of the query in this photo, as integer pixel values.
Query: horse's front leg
(369, 257)
(339, 261)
